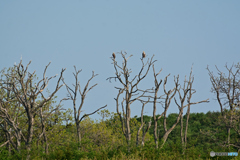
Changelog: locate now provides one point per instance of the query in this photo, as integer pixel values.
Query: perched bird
(113, 55)
(143, 55)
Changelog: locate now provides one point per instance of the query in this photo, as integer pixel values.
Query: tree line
(33, 125)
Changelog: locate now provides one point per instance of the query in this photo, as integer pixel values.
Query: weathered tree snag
(227, 90)
(142, 126)
(121, 116)
(168, 97)
(72, 94)
(26, 91)
(156, 88)
(129, 88)
(187, 94)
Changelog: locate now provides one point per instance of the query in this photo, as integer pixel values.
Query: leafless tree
(26, 92)
(129, 88)
(156, 89)
(167, 101)
(227, 90)
(9, 114)
(142, 127)
(168, 96)
(186, 94)
(73, 93)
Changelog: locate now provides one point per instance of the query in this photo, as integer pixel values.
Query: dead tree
(156, 88)
(9, 113)
(226, 87)
(26, 91)
(186, 94)
(129, 88)
(73, 93)
(168, 96)
(142, 127)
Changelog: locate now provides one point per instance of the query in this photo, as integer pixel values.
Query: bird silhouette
(113, 55)
(143, 55)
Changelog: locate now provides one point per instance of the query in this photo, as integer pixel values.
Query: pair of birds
(143, 55)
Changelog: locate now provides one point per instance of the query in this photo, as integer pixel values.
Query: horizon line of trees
(31, 119)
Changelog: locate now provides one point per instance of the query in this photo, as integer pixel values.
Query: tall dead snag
(129, 88)
(227, 91)
(168, 98)
(72, 94)
(185, 93)
(26, 91)
(156, 88)
(142, 127)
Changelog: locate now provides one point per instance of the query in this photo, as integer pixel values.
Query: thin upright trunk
(46, 143)
(78, 135)
(228, 138)
(181, 133)
(186, 128)
(127, 123)
(165, 136)
(30, 134)
(144, 132)
(155, 121)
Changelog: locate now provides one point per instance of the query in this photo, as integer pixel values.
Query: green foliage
(104, 139)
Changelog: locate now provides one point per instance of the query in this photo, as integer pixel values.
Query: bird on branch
(113, 55)
(143, 55)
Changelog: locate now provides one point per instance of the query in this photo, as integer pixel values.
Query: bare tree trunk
(165, 136)
(78, 135)
(169, 95)
(157, 85)
(186, 128)
(181, 133)
(30, 134)
(8, 138)
(128, 131)
(138, 134)
(187, 93)
(228, 137)
(72, 93)
(142, 125)
(145, 131)
(130, 88)
(44, 132)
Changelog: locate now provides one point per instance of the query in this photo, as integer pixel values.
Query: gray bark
(73, 93)
(130, 88)
(26, 91)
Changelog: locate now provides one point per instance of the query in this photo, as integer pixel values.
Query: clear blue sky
(85, 33)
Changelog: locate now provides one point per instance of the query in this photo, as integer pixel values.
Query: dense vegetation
(103, 140)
